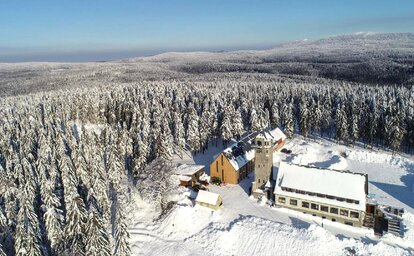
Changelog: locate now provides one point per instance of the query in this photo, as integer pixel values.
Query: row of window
(260, 151)
(259, 143)
(341, 199)
(322, 208)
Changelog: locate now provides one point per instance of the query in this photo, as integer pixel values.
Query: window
(334, 210)
(258, 181)
(354, 215)
(315, 206)
(222, 160)
(305, 204)
(217, 166)
(324, 208)
(348, 223)
(293, 202)
(356, 202)
(344, 212)
(333, 220)
(259, 151)
(281, 200)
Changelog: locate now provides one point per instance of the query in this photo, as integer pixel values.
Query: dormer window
(259, 143)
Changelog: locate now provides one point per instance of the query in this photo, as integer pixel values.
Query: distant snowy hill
(362, 57)
(373, 58)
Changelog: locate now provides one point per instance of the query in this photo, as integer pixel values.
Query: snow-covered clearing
(244, 226)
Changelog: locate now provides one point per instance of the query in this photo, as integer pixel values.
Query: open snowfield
(246, 227)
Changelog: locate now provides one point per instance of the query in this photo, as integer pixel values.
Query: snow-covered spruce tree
(394, 134)
(226, 125)
(275, 117)
(75, 228)
(10, 205)
(341, 124)
(53, 217)
(97, 239)
(145, 131)
(27, 235)
(266, 119)
(326, 114)
(139, 158)
(6, 233)
(213, 123)
(155, 134)
(178, 132)
(289, 121)
(81, 158)
(237, 127)
(193, 132)
(121, 236)
(165, 142)
(353, 121)
(304, 120)
(371, 121)
(98, 194)
(409, 122)
(205, 132)
(254, 121)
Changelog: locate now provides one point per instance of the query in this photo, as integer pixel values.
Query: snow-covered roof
(188, 169)
(207, 197)
(240, 153)
(184, 178)
(239, 161)
(273, 135)
(338, 184)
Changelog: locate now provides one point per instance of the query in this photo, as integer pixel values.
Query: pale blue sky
(78, 30)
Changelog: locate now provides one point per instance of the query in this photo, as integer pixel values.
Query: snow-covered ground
(244, 226)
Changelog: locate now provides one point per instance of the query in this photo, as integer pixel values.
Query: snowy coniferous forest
(66, 153)
(68, 157)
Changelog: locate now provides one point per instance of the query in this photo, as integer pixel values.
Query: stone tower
(263, 163)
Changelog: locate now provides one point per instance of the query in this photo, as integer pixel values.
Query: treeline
(66, 157)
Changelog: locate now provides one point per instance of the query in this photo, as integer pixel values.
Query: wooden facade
(208, 199)
(223, 169)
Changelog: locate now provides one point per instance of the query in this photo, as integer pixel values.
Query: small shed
(185, 180)
(209, 199)
(189, 174)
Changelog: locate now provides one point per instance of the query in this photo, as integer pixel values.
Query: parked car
(286, 151)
